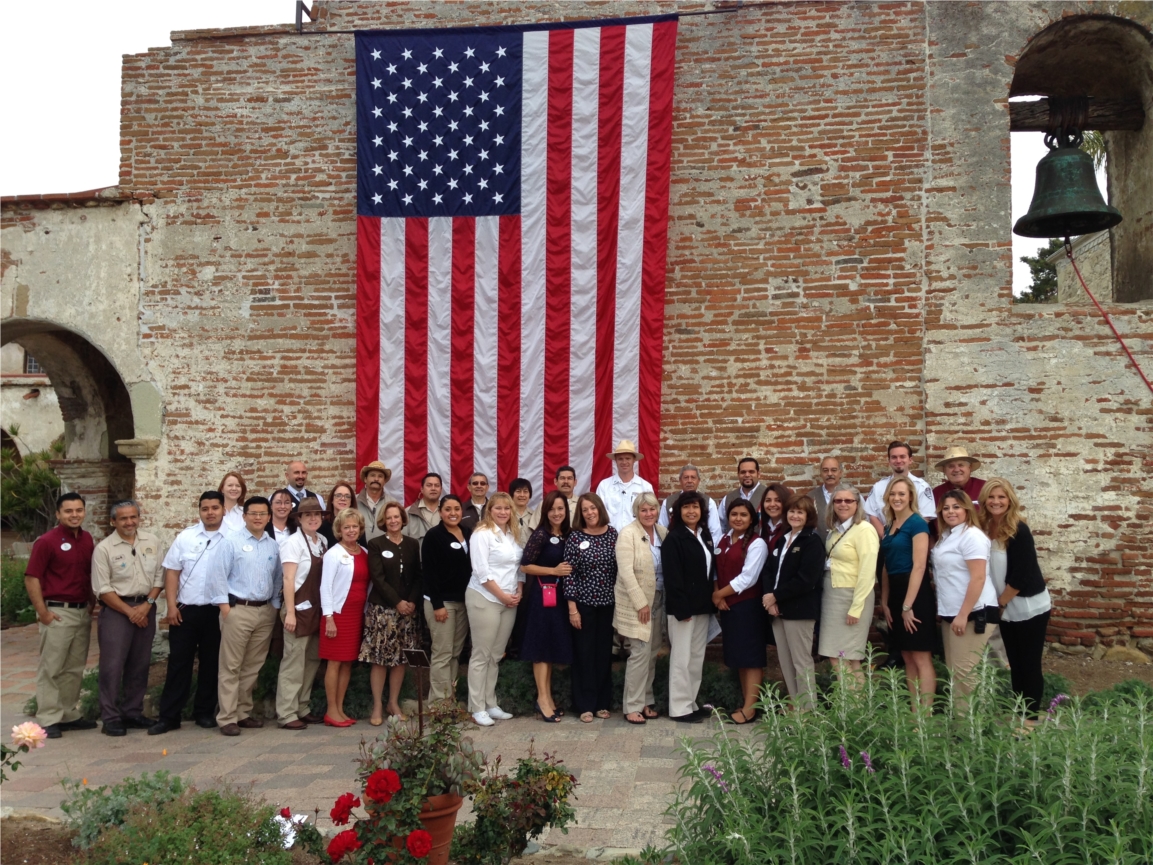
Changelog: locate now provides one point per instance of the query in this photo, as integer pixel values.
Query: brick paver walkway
(627, 773)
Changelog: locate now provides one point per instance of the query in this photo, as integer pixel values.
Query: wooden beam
(1104, 115)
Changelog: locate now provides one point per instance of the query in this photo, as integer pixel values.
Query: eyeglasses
(844, 501)
(257, 514)
(341, 496)
(478, 484)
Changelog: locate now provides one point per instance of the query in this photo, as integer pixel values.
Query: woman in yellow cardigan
(849, 595)
(640, 604)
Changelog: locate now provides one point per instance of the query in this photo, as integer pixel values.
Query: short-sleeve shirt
(956, 547)
(62, 560)
(897, 548)
(299, 550)
(196, 555)
(125, 568)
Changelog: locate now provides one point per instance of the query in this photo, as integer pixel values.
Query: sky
(61, 119)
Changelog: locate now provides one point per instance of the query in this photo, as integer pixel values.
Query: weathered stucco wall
(839, 268)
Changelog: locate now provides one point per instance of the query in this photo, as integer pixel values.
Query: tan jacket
(636, 579)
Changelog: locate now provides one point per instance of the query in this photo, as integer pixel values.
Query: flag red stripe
(367, 338)
(656, 244)
(558, 250)
(508, 375)
(415, 356)
(609, 116)
(463, 308)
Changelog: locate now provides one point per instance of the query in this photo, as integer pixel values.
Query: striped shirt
(252, 565)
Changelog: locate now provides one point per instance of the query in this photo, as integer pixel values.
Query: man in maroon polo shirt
(59, 583)
(958, 468)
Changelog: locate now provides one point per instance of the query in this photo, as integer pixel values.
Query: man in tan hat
(617, 491)
(958, 468)
(372, 498)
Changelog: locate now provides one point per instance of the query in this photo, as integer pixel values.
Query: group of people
(359, 577)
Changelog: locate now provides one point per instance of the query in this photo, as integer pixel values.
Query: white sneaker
(484, 719)
(498, 713)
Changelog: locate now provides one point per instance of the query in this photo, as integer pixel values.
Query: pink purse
(547, 593)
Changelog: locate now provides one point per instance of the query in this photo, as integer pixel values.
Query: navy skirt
(744, 634)
(547, 633)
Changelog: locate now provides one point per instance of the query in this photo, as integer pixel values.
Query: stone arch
(1110, 60)
(97, 411)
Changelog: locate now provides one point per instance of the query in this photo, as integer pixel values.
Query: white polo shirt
(926, 505)
(951, 555)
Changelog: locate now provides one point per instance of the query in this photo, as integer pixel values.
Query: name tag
(66, 546)
(455, 545)
(776, 552)
(386, 553)
(247, 548)
(554, 540)
(346, 560)
(828, 564)
(148, 551)
(584, 545)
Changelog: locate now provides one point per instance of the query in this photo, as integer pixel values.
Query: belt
(134, 599)
(68, 605)
(241, 602)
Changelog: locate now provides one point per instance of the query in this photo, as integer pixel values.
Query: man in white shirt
(900, 461)
(618, 491)
(566, 480)
(424, 513)
(372, 498)
(194, 576)
(690, 480)
(749, 488)
(295, 477)
(822, 495)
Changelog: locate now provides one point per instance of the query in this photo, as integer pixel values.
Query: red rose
(381, 785)
(286, 813)
(419, 843)
(342, 810)
(345, 842)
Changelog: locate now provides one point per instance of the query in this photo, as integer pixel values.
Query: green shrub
(861, 779)
(89, 696)
(15, 606)
(207, 828)
(91, 811)
(28, 489)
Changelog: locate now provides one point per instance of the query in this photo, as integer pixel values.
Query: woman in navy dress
(547, 634)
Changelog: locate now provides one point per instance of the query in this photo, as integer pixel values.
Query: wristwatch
(905, 608)
(151, 602)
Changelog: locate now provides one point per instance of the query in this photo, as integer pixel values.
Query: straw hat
(958, 454)
(625, 447)
(377, 466)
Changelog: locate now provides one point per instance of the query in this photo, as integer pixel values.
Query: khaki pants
(63, 652)
(491, 625)
(641, 668)
(795, 652)
(962, 654)
(245, 635)
(686, 662)
(298, 668)
(447, 643)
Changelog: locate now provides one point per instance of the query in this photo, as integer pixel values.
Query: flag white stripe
(533, 179)
(391, 418)
(485, 329)
(630, 232)
(440, 345)
(583, 297)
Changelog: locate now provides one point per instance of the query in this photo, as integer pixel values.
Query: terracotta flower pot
(439, 818)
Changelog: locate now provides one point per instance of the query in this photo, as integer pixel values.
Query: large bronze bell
(1066, 200)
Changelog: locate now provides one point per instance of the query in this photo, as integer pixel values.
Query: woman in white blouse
(491, 600)
(300, 557)
(966, 598)
(235, 491)
(343, 591)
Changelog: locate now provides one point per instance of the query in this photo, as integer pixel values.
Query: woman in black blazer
(1021, 594)
(791, 580)
(446, 569)
(688, 567)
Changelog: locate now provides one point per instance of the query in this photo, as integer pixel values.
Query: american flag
(512, 219)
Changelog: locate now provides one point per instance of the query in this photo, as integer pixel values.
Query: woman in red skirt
(343, 591)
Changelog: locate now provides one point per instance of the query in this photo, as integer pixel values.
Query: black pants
(198, 636)
(592, 663)
(1023, 644)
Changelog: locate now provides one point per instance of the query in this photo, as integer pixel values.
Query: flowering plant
(25, 737)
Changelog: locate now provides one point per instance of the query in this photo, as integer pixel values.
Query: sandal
(603, 714)
(651, 712)
(586, 717)
(629, 718)
(745, 715)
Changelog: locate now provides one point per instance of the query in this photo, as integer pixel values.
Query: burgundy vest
(730, 561)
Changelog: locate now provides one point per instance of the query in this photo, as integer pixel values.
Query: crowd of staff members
(348, 577)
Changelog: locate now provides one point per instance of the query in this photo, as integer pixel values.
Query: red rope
(1105, 315)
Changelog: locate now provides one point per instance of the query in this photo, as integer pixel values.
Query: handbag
(547, 593)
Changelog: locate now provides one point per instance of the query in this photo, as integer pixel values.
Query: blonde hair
(1005, 528)
(831, 515)
(890, 515)
(962, 498)
(344, 516)
(647, 499)
(488, 522)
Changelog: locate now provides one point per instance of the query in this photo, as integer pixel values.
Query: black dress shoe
(78, 724)
(140, 723)
(114, 728)
(206, 723)
(53, 731)
(690, 718)
(161, 727)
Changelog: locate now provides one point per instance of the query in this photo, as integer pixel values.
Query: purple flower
(840, 654)
(845, 761)
(868, 762)
(716, 773)
(1057, 701)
